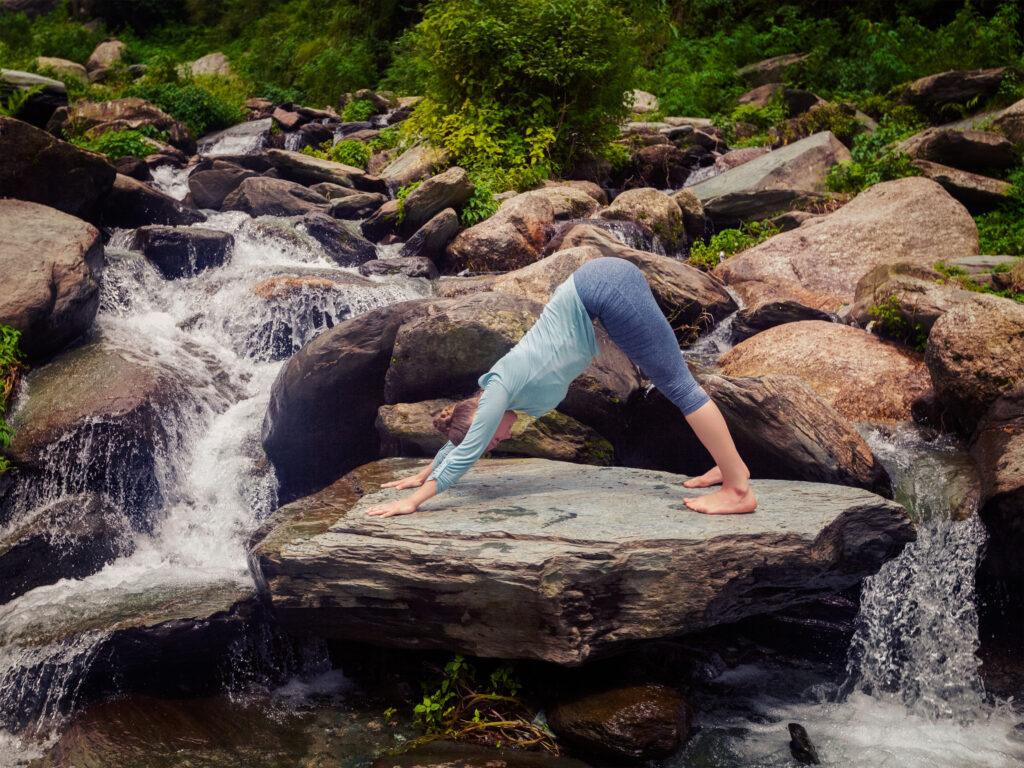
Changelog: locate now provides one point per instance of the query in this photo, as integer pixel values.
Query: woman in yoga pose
(534, 377)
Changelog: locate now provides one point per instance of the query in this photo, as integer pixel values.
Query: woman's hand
(393, 508)
(414, 481)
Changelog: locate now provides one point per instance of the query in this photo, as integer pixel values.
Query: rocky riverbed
(231, 344)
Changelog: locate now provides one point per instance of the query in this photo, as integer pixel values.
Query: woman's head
(453, 421)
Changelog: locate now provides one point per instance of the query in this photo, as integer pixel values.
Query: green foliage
(358, 110)
(522, 87)
(389, 138)
(17, 99)
(888, 315)
(962, 279)
(748, 124)
(204, 103)
(55, 34)
(729, 242)
(875, 158)
(492, 714)
(348, 151)
(1002, 231)
(401, 196)
(122, 143)
(481, 204)
(11, 365)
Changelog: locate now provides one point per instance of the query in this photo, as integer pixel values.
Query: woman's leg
(616, 292)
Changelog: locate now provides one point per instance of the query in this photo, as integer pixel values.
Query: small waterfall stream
(225, 333)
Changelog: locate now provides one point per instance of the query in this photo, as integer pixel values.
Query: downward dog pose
(535, 375)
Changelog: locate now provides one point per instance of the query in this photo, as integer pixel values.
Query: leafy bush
(11, 365)
(401, 196)
(118, 144)
(524, 86)
(348, 151)
(888, 315)
(729, 242)
(389, 138)
(203, 104)
(358, 110)
(481, 204)
(54, 34)
(875, 158)
(748, 125)
(1002, 231)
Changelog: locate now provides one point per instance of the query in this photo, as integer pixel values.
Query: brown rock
(105, 55)
(652, 209)
(264, 196)
(935, 95)
(978, 193)
(132, 203)
(861, 376)
(969, 150)
(96, 118)
(771, 70)
(753, 319)
(1010, 123)
(913, 220)
(450, 189)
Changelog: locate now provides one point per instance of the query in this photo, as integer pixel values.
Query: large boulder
(44, 95)
(937, 96)
(133, 203)
(558, 562)
(183, 251)
(977, 193)
(638, 722)
(68, 539)
(40, 168)
(105, 55)
(790, 177)
(95, 118)
(974, 151)
(1010, 123)
(242, 139)
(319, 421)
(430, 240)
(61, 68)
(763, 315)
(974, 355)
(450, 189)
(407, 429)
(782, 428)
(209, 188)
(662, 166)
(410, 266)
(50, 268)
(773, 70)
(215, 63)
(907, 220)
(306, 169)
(342, 240)
(356, 206)
(266, 196)
(863, 377)
(652, 209)
(417, 162)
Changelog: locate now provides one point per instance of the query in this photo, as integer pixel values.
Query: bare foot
(725, 501)
(712, 477)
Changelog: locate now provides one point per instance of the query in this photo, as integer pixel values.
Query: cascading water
(223, 335)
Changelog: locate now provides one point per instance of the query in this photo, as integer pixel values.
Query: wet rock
(430, 240)
(415, 163)
(973, 151)
(800, 745)
(357, 206)
(183, 251)
(541, 556)
(340, 239)
(936, 96)
(974, 355)
(97, 117)
(132, 203)
(643, 722)
(211, 187)
(907, 220)
(383, 222)
(860, 375)
(782, 428)
(977, 193)
(407, 429)
(306, 169)
(652, 209)
(751, 320)
(662, 166)
(135, 167)
(771, 70)
(69, 539)
(42, 169)
(695, 223)
(264, 196)
(105, 55)
(44, 95)
(447, 754)
(239, 139)
(50, 270)
(450, 189)
(792, 176)
(410, 266)
(319, 421)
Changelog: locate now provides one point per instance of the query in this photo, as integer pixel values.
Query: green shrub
(203, 104)
(348, 151)
(729, 242)
(389, 138)
(1002, 231)
(888, 315)
(523, 87)
(481, 204)
(400, 197)
(11, 365)
(875, 158)
(358, 110)
(118, 144)
(749, 125)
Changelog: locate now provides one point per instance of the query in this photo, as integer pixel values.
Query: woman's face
(504, 430)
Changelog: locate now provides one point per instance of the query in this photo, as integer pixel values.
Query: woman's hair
(453, 420)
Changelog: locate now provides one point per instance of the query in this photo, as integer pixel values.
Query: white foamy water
(225, 333)
(171, 180)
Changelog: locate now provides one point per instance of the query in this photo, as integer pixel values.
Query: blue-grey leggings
(616, 292)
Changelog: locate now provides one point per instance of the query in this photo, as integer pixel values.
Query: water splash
(171, 180)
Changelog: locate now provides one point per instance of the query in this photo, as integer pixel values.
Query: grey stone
(133, 203)
(559, 562)
(306, 169)
(410, 266)
(450, 189)
(183, 251)
(977, 193)
(46, 97)
(264, 196)
(430, 240)
(357, 206)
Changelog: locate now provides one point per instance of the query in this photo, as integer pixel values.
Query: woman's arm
(492, 406)
(415, 481)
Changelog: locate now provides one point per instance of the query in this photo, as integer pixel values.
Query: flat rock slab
(549, 560)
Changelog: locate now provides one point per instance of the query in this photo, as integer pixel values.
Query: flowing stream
(911, 695)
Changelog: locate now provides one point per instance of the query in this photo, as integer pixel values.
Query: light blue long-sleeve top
(533, 377)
